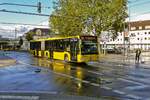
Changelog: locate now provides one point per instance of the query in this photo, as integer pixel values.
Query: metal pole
(141, 43)
(15, 38)
(124, 39)
(15, 33)
(129, 27)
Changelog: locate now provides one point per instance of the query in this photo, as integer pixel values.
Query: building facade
(38, 34)
(138, 36)
(108, 42)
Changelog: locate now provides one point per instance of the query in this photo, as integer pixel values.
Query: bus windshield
(89, 47)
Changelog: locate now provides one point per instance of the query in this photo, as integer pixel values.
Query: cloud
(9, 31)
(45, 23)
(139, 18)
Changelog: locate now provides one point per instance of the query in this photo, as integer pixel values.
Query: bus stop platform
(5, 60)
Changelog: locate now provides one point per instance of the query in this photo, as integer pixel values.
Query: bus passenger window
(68, 48)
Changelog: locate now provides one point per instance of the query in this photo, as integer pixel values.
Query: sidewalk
(128, 59)
(117, 58)
(5, 60)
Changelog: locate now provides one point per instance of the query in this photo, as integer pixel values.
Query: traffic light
(39, 7)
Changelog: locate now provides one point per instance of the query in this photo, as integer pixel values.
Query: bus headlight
(82, 59)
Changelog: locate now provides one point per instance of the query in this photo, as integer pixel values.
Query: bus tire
(66, 58)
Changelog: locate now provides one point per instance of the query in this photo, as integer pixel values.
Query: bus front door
(51, 54)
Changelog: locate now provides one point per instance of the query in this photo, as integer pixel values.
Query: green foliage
(29, 36)
(72, 17)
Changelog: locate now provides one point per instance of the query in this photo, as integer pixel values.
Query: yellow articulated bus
(70, 49)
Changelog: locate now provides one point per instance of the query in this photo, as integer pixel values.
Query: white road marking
(136, 87)
(19, 97)
(94, 84)
(134, 97)
(130, 81)
(107, 88)
(93, 72)
(28, 92)
(146, 80)
(119, 92)
(85, 81)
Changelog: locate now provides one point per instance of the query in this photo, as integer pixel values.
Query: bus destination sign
(88, 38)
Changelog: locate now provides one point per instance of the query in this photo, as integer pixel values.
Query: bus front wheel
(66, 58)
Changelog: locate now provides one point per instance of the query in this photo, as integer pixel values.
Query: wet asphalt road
(102, 80)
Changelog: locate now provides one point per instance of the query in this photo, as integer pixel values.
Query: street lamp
(129, 26)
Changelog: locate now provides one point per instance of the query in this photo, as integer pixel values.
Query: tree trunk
(99, 48)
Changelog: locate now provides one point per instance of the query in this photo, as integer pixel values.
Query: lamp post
(15, 33)
(15, 38)
(129, 27)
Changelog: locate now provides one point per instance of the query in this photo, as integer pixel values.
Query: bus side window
(68, 45)
(61, 45)
(68, 48)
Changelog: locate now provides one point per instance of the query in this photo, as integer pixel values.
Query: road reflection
(64, 78)
(76, 71)
(67, 71)
(74, 79)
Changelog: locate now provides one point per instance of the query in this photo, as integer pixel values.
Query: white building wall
(25, 45)
(118, 42)
(140, 39)
(137, 39)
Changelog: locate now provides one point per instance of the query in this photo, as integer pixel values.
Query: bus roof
(57, 38)
(37, 40)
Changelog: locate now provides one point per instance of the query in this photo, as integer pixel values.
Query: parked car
(118, 51)
(114, 50)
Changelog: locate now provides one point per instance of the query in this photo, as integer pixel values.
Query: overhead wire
(21, 24)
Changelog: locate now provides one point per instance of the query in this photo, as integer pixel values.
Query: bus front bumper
(87, 58)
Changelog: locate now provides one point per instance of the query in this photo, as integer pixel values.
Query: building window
(138, 38)
(145, 38)
(147, 27)
(149, 38)
(145, 32)
(140, 27)
(133, 28)
(138, 33)
(148, 32)
(132, 35)
(118, 39)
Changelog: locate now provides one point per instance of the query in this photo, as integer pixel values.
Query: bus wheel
(66, 58)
